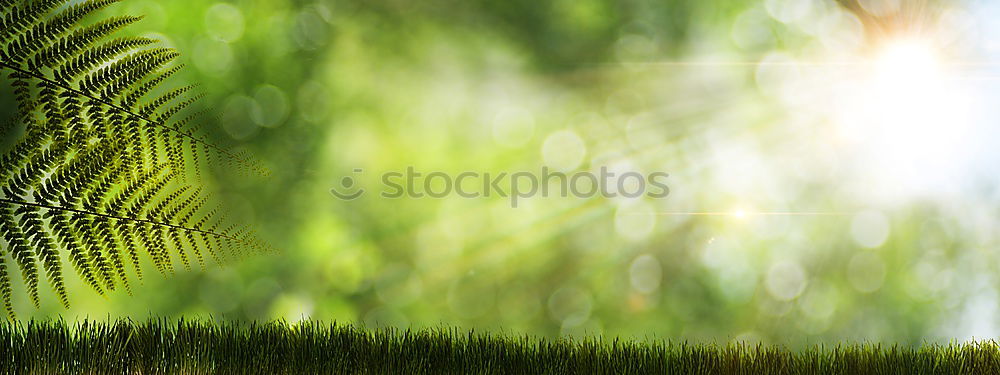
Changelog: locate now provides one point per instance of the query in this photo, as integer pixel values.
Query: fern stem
(106, 216)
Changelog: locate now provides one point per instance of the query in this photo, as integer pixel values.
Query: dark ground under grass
(158, 347)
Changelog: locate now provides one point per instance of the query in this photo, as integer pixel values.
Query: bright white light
(740, 214)
(903, 60)
(910, 114)
(910, 104)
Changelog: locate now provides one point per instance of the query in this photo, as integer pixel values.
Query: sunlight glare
(912, 115)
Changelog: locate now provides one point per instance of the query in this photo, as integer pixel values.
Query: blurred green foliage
(317, 89)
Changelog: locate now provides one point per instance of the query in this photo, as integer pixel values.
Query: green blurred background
(817, 221)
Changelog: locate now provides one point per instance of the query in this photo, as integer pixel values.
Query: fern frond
(21, 17)
(240, 159)
(20, 251)
(132, 97)
(236, 240)
(49, 30)
(5, 289)
(99, 175)
(41, 240)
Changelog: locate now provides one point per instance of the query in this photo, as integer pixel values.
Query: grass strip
(206, 347)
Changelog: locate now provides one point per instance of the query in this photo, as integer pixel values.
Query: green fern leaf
(100, 174)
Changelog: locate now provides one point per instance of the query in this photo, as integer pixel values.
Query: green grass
(157, 347)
